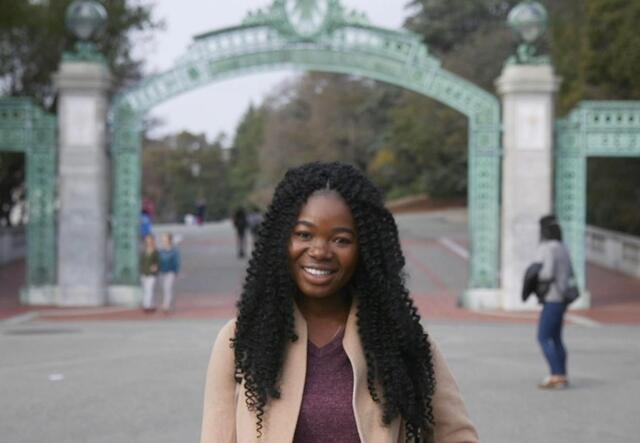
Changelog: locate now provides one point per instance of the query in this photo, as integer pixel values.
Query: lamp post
(86, 19)
(528, 20)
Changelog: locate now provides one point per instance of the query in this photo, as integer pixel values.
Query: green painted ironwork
(25, 128)
(316, 36)
(592, 129)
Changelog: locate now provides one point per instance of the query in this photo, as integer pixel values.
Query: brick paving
(211, 280)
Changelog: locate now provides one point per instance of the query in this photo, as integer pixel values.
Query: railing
(13, 244)
(613, 250)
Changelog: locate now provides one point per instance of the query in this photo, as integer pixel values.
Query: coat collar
(279, 423)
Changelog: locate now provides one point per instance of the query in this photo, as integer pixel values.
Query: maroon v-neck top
(326, 413)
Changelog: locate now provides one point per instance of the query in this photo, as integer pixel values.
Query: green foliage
(322, 117)
(447, 24)
(244, 165)
(33, 38)
(612, 56)
(182, 170)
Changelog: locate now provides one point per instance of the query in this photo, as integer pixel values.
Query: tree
(181, 170)
(244, 164)
(323, 117)
(33, 38)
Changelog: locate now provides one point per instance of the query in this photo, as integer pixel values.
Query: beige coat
(226, 418)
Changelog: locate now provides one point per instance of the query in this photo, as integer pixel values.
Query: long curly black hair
(396, 347)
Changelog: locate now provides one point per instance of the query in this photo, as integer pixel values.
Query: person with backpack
(556, 289)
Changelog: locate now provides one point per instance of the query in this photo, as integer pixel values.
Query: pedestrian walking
(240, 225)
(556, 277)
(254, 219)
(146, 227)
(201, 209)
(327, 344)
(169, 269)
(149, 267)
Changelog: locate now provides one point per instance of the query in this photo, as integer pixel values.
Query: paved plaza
(118, 375)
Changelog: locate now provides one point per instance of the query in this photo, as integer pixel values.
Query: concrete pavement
(142, 381)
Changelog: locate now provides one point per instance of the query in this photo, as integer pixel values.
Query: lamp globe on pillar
(528, 20)
(86, 19)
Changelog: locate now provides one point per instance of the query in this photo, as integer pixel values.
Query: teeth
(318, 272)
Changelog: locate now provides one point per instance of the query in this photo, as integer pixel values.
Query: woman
(169, 268)
(327, 345)
(556, 273)
(149, 267)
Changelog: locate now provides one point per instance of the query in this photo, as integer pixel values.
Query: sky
(218, 107)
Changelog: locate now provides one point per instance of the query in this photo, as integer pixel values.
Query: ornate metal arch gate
(592, 129)
(27, 129)
(319, 35)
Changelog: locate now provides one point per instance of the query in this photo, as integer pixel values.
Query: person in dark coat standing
(240, 225)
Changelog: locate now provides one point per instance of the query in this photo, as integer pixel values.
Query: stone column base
(121, 295)
(481, 299)
(39, 295)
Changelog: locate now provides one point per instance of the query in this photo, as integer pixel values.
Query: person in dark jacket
(240, 225)
(149, 267)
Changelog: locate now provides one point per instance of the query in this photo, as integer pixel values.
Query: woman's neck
(327, 308)
(324, 316)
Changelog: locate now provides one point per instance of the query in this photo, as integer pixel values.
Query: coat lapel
(368, 413)
(282, 414)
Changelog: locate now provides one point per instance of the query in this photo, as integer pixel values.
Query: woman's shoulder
(222, 344)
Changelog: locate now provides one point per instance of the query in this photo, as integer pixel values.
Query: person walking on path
(240, 225)
(149, 267)
(169, 269)
(254, 219)
(556, 275)
(327, 345)
(146, 227)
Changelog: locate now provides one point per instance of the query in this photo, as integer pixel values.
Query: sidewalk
(615, 300)
(434, 244)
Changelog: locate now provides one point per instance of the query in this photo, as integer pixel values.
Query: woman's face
(323, 249)
(150, 242)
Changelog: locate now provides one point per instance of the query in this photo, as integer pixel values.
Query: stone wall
(613, 250)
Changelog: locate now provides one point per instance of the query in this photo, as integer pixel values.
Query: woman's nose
(320, 249)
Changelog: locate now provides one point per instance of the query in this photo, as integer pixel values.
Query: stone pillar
(527, 170)
(83, 192)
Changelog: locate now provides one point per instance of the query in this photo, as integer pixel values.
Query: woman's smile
(318, 276)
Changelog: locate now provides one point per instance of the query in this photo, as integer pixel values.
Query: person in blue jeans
(557, 274)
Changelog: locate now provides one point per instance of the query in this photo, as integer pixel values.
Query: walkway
(435, 246)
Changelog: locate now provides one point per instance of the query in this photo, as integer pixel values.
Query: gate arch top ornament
(316, 35)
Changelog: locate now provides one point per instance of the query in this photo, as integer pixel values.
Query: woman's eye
(302, 235)
(343, 241)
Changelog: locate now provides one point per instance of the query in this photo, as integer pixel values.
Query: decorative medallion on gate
(307, 17)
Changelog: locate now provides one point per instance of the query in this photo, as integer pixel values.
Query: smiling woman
(327, 345)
